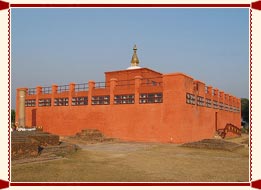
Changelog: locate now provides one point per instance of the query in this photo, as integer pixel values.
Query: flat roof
(133, 70)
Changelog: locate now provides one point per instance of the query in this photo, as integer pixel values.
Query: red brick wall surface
(173, 120)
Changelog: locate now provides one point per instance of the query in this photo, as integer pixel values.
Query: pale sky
(77, 45)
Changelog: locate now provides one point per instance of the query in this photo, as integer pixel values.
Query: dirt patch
(48, 153)
(121, 147)
(139, 162)
(217, 144)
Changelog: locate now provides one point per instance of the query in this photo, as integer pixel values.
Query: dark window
(200, 101)
(31, 91)
(47, 90)
(151, 98)
(226, 107)
(45, 102)
(30, 103)
(221, 106)
(124, 99)
(100, 100)
(215, 104)
(61, 101)
(81, 87)
(100, 85)
(208, 103)
(206, 89)
(213, 92)
(63, 88)
(79, 101)
(190, 98)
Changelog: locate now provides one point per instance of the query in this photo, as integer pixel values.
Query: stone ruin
(92, 136)
(32, 144)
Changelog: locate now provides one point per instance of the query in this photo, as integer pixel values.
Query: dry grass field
(139, 162)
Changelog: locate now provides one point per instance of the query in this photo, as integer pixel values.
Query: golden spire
(135, 59)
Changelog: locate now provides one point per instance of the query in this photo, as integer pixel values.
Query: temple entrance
(34, 117)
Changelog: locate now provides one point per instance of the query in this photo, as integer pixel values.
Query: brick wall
(190, 110)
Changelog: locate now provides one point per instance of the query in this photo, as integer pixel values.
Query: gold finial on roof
(135, 59)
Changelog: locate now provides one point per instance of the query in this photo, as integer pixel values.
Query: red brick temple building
(136, 104)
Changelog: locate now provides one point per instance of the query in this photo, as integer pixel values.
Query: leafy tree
(245, 109)
(12, 116)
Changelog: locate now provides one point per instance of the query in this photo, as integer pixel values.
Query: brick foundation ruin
(29, 144)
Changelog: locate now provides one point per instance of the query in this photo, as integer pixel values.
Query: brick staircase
(228, 128)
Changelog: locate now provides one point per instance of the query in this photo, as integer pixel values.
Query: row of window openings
(83, 87)
(190, 99)
(213, 92)
(99, 100)
(60, 89)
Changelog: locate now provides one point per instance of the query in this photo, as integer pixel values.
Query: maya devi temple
(135, 104)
